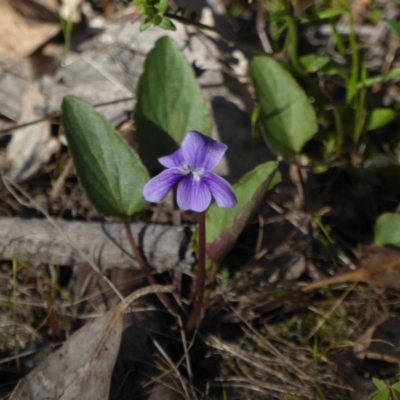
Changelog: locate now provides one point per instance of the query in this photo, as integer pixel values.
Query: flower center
(197, 173)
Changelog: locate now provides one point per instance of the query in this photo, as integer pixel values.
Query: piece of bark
(103, 243)
(13, 85)
(30, 147)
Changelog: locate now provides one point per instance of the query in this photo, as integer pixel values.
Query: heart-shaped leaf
(108, 169)
(287, 119)
(387, 230)
(224, 225)
(169, 102)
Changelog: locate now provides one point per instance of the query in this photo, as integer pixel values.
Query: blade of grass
(355, 57)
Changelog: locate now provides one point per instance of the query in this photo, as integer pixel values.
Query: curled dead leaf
(379, 267)
(82, 367)
(380, 342)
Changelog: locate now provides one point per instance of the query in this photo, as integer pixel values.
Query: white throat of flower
(197, 173)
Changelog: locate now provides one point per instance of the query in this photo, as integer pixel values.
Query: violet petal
(193, 194)
(157, 188)
(173, 160)
(220, 189)
(200, 151)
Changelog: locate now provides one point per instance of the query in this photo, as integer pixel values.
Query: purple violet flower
(190, 168)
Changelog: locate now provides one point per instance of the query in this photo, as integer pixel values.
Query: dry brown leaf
(300, 6)
(82, 367)
(381, 341)
(380, 267)
(25, 25)
(361, 10)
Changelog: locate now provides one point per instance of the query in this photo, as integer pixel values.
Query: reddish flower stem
(198, 296)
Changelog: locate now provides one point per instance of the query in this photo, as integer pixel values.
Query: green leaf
(141, 8)
(162, 6)
(279, 16)
(325, 14)
(379, 384)
(387, 230)
(393, 25)
(392, 74)
(379, 117)
(314, 62)
(146, 24)
(381, 395)
(333, 68)
(395, 389)
(224, 225)
(108, 169)
(396, 386)
(167, 24)
(169, 102)
(156, 20)
(287, 118)
(150, 12)
(383, 392)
